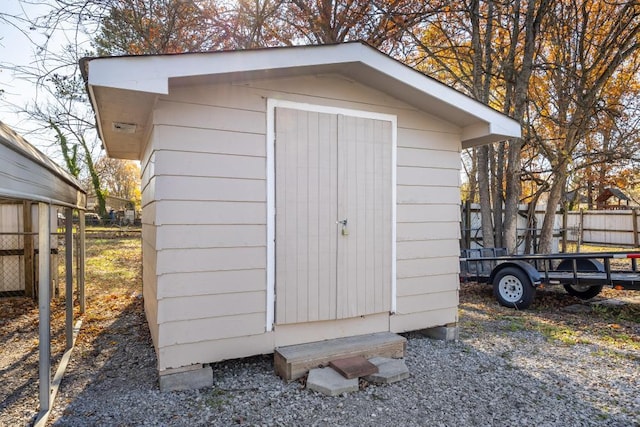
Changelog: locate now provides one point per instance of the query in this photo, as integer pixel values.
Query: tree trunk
(485, 197)
(534, 14)
(557, 188)
(498, 195)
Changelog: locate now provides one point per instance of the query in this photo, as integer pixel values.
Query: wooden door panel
(305, 216)
(364, 199)
(330, 168)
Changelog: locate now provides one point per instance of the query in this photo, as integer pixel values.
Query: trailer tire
(581, 291)
(512, 288)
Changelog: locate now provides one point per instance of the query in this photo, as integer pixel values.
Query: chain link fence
(19, 268)
(12, 265)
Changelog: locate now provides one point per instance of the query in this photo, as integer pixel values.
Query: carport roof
(27, 174)
(124, 89)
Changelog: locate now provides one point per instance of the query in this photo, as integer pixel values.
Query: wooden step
(294, 361)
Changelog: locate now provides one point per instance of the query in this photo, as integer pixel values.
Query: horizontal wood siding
(209, 282)
(209, 259)
(180, 236)
(209, 188)
(149, 253)
(212, 305)
(210, 328)
(149, 286)
(210, 212)
(185, 354)
(423, 319)
(427, 229)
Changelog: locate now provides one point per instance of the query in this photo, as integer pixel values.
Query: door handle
(343, 222)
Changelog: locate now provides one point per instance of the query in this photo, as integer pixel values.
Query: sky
(18, 49)
(15, 49)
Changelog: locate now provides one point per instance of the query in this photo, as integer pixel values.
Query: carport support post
(81, 259)
(68, 282)
(29, 277)
(44, 303)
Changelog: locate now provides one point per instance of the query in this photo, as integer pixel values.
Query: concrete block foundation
(186, 378)
(450, 332)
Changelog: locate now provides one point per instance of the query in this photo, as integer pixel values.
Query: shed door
(331, 168)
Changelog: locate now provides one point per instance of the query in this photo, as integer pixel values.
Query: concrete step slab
(389, 370)
(327, 381)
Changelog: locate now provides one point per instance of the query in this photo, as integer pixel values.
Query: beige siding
(424, 267)
(219, 189)
(438, 159)
(435, 177)
(423, 194)
(428, 228)
(427, 301)
(204, 192)
(149, 288)
(209, 117)
(208, 142)
(210, 328)
(149, 254)
(423, 319)
(211, 282)
(209, 229)
(210, 236)
(409, 286)
(434, 230)
(423, 134)
(209, 259)
(320, 331)
(198, 164)
(210, 212)
(212, 305)
(427, 249)
(185, 354)
(446, 215)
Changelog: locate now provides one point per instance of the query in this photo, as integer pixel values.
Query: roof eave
(480, 124)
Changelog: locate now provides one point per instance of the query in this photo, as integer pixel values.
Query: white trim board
(272, 104)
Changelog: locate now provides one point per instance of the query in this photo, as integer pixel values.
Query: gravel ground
(540, 367)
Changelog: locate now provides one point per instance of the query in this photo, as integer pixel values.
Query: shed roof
(123, 89)
(607, 193)
(27, 174)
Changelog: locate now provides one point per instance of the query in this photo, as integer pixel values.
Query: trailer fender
(528, 269)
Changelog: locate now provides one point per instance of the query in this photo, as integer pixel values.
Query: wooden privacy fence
(596, 227)
(603, 227)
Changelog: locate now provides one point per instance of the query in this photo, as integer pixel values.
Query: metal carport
(29, 177)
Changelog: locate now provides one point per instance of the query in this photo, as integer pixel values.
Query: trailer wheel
(512, 288)
(581, 291)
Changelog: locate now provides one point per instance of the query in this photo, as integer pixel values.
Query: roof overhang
(27, 174)
(124, 89)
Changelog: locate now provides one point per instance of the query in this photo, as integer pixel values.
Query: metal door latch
(345, 230)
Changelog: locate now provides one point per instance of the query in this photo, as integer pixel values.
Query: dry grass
(113, 289)
(614, 329)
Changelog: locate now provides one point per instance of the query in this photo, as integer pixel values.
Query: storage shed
(290, 195)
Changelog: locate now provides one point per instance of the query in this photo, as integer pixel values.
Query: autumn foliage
(567, 70)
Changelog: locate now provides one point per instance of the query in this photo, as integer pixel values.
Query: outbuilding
(290, 195)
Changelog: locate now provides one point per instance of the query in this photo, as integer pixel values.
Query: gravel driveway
(543, 367)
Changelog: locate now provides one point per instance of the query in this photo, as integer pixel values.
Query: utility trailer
(515, 277)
